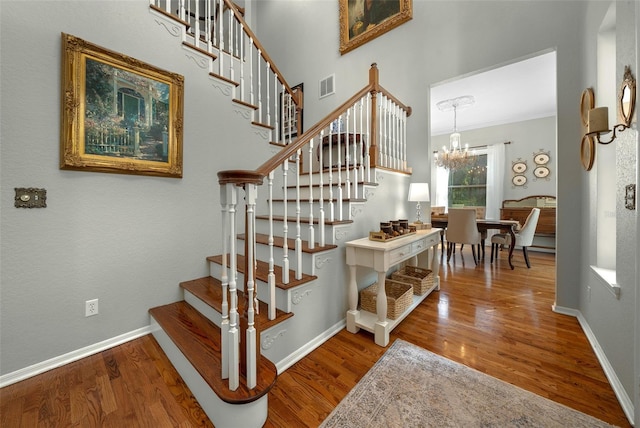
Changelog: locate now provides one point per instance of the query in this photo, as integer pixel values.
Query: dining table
(509, 226)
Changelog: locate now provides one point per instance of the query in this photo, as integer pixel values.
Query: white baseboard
(616, 385)
(299, 354)
(36, 369)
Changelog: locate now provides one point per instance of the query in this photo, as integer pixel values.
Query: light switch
(30, 197)
(630, 197)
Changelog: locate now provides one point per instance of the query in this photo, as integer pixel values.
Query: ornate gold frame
(129, 122)
(350, 39)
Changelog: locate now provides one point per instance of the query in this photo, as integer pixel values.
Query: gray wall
(126, 240)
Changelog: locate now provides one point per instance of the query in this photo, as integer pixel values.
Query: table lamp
(418, 192)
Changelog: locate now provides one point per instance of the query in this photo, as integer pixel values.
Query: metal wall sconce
(598, 118)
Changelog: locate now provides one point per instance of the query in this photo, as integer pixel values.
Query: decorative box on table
(399, 297)
(420, 279)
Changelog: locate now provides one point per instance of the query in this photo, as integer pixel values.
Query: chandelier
(454, 157)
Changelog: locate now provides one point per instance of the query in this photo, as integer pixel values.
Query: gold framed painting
(119, 114)
(363, 20)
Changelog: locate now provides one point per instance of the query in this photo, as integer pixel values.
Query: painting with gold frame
(119, 114)
(363, 20)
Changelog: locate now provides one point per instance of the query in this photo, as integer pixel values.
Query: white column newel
(224, 279)
(234, 334)
(251, 192)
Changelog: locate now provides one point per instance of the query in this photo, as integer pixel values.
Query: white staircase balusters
(259, 82)
(267, 92)
(276, 109)
(271, 281)
(367, 140)
(285, 226)
(321, 185)
(298, 242)
(347, 156)
(242, 62)
(339, 168)
(312, 237)
(332, 216)
(230, 43)
(234, 334)
(251, 192)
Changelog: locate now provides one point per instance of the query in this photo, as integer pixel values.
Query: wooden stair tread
(199, 340)
(262, 272)
(293, 220)
(209, 290)
(278, 241)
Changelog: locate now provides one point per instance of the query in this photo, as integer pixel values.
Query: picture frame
(363, 20)
(290, 118)
(119, 114)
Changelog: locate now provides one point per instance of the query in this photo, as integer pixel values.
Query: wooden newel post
(373, 132)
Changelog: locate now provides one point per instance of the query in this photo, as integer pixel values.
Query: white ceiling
(516, 92)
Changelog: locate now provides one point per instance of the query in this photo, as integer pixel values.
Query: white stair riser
(263, 254)
(282, 296)
(221, 413)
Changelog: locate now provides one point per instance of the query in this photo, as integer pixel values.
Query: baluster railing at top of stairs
(342, 148)
(235, 56)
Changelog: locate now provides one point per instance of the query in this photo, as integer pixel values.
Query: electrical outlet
(91, 308)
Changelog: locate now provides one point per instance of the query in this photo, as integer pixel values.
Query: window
(468, 186)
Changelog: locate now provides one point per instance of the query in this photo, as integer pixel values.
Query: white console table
(381, 256)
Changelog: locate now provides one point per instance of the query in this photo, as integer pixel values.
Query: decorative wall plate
(541, 172)
(587, 102)
(587, 152)
(519, 180)
(541, 158)
(519, 167)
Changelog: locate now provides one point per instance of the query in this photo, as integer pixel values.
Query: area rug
(412, 387)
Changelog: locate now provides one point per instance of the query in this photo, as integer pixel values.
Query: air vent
(326, 86)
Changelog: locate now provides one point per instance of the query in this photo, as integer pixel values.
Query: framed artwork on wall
(119, 114)
(363, 20)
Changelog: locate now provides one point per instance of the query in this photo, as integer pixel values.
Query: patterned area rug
(412, 387)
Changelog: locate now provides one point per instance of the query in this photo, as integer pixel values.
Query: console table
(381, 256)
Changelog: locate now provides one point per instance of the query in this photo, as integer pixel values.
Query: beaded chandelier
(454, 156)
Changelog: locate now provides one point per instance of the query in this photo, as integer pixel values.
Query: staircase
(277, 289)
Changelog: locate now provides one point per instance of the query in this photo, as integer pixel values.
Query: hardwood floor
(487, 317)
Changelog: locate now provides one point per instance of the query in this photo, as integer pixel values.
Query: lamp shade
(419, 192)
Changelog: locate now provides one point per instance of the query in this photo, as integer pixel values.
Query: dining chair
(524, 237)
(462, 229)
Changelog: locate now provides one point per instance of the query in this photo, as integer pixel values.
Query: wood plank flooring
(488, 317)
